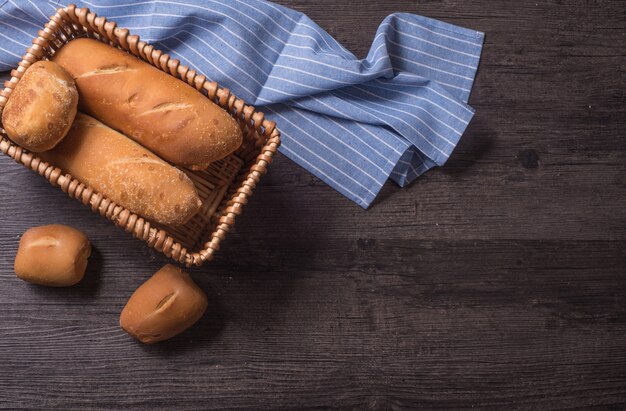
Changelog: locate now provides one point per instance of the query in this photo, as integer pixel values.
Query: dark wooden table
(496, 282)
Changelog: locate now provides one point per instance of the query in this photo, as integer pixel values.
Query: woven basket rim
(159, 239)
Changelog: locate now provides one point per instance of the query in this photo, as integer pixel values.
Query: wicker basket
(224, 187)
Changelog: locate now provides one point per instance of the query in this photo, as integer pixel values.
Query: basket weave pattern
(224, 187)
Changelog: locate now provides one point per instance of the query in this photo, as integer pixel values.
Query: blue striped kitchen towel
(353, 123)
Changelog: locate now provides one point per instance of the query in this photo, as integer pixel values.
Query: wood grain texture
(497, 282)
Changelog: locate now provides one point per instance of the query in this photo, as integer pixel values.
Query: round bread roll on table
(164, 306)
(52, 255)
(41, 108)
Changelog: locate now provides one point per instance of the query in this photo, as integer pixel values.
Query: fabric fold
(354, 123)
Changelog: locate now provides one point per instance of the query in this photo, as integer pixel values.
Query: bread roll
(164, 306)
(160, 112)
(41, 108)
(125, 172)
(52, 255)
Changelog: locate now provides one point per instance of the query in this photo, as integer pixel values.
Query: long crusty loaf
(125, 172)
(160, 112)
(42, 107)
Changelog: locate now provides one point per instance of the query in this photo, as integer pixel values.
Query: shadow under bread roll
(159, 111)
(125, 172)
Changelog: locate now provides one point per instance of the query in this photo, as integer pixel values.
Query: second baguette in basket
(125, 172)
(159, 111)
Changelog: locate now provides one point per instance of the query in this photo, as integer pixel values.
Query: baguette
(125, 172)
(42, 107)
(160, 112)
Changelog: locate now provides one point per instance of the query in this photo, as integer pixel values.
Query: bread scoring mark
(166, 108)
(166, 302)
(144, 161)
(45, 241)
(105, 71)
(62, 82)
(131, 99)
(182, 124)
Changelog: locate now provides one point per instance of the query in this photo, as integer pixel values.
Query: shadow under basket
(224, 186)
